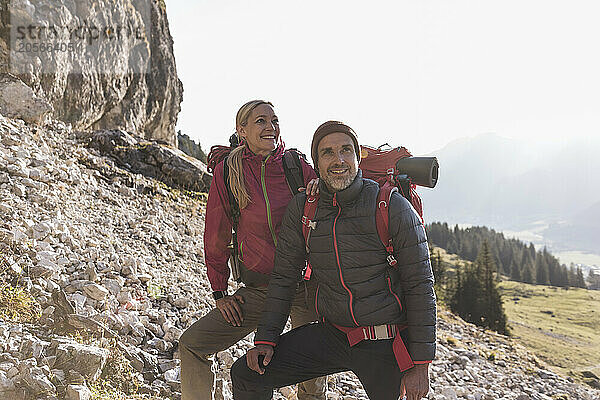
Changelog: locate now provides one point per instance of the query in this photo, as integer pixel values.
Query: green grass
(560, 326)
(17, 305)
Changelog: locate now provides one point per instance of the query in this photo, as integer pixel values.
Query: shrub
(17, 305)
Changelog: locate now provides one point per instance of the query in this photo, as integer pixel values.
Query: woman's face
(261, 131)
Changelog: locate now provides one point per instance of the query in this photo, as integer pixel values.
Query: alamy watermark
(101, 36)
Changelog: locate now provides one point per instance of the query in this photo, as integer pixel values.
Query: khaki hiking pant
(212, 334)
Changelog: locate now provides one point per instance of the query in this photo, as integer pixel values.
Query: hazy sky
(413, 73)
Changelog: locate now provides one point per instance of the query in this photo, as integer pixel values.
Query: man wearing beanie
(376, 318)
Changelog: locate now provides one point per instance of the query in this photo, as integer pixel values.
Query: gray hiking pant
(212, 334)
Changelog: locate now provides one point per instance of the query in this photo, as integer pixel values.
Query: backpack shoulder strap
(292, 167)
(308, 224)
(234, 208)
(233, 204)
(382, 219)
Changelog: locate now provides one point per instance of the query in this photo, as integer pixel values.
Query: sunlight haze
(417, 74)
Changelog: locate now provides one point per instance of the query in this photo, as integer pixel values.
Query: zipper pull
(334, 199)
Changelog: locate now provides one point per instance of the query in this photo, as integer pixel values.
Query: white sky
(413, 73)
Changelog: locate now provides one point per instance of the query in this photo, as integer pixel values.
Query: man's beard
(338, 183)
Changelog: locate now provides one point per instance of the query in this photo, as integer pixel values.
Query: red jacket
(259, 222)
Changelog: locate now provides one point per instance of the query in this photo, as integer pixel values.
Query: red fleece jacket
(255, 239)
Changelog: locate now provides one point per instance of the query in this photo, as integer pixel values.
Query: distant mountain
(581, 231)
(510, 185)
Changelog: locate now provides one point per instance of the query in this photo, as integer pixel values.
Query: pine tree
(439, 271)
(476, 297)
(541, 271)
(579, 280)
(526, 265)
(515, 272)
(531, 251)
(527, 274)
(593, 280)
(494, 316)
(564, 276)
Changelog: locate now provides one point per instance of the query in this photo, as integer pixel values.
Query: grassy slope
(560, 326)
(569, 340)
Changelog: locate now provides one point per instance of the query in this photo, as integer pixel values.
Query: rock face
(105, 81)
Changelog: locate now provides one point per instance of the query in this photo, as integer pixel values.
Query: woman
(257, 181)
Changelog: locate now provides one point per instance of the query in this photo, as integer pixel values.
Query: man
(375, 320)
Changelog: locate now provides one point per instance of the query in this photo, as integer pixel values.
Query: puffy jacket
(356, 286)
(259, 222)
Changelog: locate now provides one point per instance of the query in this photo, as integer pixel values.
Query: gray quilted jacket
(356, 286)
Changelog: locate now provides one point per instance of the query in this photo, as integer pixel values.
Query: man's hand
(415, 382)
(230, 309)
(253, 357)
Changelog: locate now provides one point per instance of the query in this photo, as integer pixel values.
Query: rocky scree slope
(114, 255)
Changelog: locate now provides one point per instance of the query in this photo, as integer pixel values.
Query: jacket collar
(345, 196)
(277, 154)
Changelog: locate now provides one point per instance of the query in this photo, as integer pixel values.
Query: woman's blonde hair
(234, 161)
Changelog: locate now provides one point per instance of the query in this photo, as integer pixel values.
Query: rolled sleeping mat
(423, 171)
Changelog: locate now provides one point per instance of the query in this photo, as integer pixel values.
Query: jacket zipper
(264, 188)
(316, 302)
(337, 257)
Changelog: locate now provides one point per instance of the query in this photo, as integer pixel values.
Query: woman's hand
(230, 309)
(312, 188)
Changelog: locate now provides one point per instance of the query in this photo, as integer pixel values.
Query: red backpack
(382, 166)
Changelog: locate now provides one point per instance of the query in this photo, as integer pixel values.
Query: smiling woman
(257, 182)
(261, 130)
(250, 124)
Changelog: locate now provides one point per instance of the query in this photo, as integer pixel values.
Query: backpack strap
(292, 167)
(308, 224)
(233, 204)
(382, 219)
(234, 208)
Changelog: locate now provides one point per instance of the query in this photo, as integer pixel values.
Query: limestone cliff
(103, 76)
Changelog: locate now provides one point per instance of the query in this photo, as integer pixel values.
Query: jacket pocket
(389, 283)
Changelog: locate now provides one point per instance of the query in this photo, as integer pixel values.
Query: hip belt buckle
(379, 332)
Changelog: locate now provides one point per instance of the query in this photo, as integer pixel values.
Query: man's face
(337, 161)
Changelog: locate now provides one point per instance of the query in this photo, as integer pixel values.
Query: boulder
(87, 360)
(153, 159)
(95, 291)
(17, 100)
(6, 385)
(77, 392)
(34, 378)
